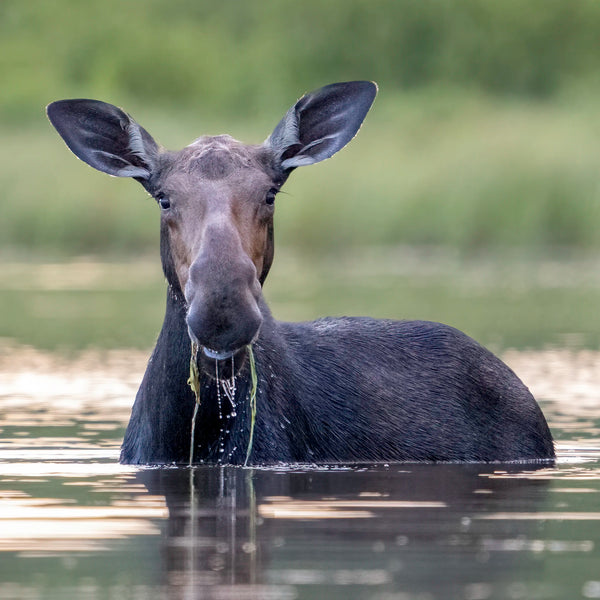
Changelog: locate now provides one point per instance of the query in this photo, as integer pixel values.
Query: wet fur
(341, 390)
(334, 390)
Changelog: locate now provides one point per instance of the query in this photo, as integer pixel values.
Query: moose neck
(165, 403)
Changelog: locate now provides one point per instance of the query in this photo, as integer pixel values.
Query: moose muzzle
(222, 292)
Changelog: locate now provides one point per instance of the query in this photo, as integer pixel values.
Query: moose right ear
(105, 137)
(321, 123)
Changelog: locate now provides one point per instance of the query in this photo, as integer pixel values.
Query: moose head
(217, 198)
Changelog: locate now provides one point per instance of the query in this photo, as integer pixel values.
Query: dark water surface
(75, 524)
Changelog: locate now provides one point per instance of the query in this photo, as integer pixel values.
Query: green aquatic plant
(194, 383)
(254, 379)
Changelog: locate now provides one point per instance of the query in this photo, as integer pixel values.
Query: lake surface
(76, 524)
(503, 302)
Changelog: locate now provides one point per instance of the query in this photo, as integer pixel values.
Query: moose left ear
(105, 137)
(321, 123)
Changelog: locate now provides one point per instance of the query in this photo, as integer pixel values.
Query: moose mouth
(221, 364)
(211, 353)
(216, 355)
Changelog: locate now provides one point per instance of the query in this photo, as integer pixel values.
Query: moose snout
(223, 312)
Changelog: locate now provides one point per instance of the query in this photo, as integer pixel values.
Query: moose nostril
(190, 292)
(253, 282)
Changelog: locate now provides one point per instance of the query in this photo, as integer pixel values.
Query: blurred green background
(484, 142)
(486, 132)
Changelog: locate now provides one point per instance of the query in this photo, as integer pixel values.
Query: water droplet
(249, 547)
(222, 548)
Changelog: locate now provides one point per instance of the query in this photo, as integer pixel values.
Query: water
(76, 524)
(501, 301)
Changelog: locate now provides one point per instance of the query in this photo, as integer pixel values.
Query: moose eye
(270, 199)
(164, 202)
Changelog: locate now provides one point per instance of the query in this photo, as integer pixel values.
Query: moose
(336, 390)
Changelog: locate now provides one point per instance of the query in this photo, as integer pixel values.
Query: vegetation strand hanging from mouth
(194, 383)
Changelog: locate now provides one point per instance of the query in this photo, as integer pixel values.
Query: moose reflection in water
(240, 527)
(333, 390)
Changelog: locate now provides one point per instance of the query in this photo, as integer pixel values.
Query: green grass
(436, 167)
(236, 57)
(486, 133)
(465, 172)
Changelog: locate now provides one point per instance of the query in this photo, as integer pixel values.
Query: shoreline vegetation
(485, 135)
(459, 171)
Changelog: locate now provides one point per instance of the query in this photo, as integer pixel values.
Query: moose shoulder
(333, 390)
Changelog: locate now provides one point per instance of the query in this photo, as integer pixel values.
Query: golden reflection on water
(58, 418)
(62, 490)
(42, 526)
(330, 508)
(56, 411)
(567, 384)
(38, 387)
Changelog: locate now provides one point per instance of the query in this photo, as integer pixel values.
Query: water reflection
(45, 526)
(75, 524)
(378, 527)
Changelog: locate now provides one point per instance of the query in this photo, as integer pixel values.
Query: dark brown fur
(329, 391)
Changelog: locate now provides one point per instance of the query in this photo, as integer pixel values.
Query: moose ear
(321, 123)
(105, 137)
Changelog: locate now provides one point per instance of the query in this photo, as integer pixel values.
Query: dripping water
(227, 388)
